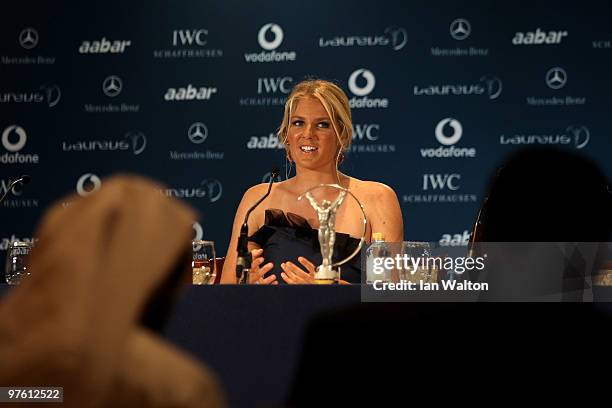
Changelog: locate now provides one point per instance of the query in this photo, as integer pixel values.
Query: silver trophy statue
(326, 213)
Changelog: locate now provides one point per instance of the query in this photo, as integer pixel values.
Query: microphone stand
(244, 259)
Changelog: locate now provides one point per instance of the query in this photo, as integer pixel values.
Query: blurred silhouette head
(546, 195)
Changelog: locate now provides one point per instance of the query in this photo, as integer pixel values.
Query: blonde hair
(336, 104)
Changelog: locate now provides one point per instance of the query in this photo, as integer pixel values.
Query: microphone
(23, 179)
(243, 261)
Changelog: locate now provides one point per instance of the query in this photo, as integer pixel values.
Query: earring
(339, 158)
(288, 168)
(288, 154)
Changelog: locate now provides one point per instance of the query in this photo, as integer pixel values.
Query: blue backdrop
(190, 93)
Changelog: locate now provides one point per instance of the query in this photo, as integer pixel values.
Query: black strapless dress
(285, 237)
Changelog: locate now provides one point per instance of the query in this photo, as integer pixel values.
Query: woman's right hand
(258, 271)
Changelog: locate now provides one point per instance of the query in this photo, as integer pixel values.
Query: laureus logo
(138, 141)
(214, 189)
(580, 134)
(396, 37)
(488, 85)
(493, 85)
(399, 37)
(53, 94)
(87, 184)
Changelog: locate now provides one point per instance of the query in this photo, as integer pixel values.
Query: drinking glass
(425, 271)
(16, 267)
(203, 263)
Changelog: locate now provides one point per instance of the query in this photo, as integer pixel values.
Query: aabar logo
(538, 37)
(264, 142)
(190, 93)
(104, 46)
(455, 239)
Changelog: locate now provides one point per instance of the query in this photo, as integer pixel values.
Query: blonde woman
(316, 132)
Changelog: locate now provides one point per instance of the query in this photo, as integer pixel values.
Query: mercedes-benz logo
(581, 135)
(139, 142)
(454, 137)
(22, 138)
(197, 133)
(214, 189)
(399, 37)
(112, 86)
(460, 29)
(278, 36)
(493, 85)
(28, 38)
(362, 90)
(93, 181)
(556, 78)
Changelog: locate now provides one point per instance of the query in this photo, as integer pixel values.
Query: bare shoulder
(382, 207)
(254, 193)
(373, 189)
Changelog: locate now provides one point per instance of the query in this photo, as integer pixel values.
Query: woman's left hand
(293, 274)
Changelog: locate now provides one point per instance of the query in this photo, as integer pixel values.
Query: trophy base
(325, 275)
(325, 281)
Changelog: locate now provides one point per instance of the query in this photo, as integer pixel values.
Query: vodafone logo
(14, 138)
(87, 184)
(367, 88)
(270, 36)
(452, 138)
(276, 30)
